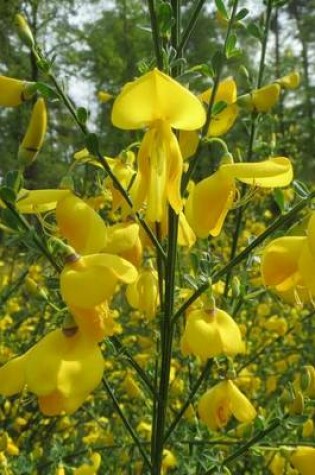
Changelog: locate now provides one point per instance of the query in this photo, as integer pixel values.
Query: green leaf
(14, 180)
(218, 107)
(191, 281)
(218, 60)
(255, 31)
(92, 144)
(230, 46)
(301, 189)
(165, 18)
(278, 196)
(241, 14)
(82, 115)
(46, 90)
(7, 194)
(221, 8)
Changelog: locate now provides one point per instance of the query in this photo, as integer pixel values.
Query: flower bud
(34, 137)
(24, 30)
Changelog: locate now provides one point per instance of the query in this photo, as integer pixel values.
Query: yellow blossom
(158, 102)
(303, 459)
(61, 370)
(211, 199)
(219, 403)
(143, 294)
(90, 280)
(211, 333)
(83, 227)
(13, 91)
(91, 468)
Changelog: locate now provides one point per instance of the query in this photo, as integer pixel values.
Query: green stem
(281, 221)
(27, 227)
(244, 448)
(189, 28)
(166, 346)
(205, 372)
(155, 34)
(122, 350)
(126, 423)
(204, 133)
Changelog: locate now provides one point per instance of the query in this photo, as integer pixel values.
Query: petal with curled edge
(156, 96)
(39, 201)
(279, 265)
(271, 173)
(241, 407)
(92, 279)
(208, 204)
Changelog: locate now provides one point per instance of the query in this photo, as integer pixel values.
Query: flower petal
(209, 203)
(39, 201)
(156, 96)
(270, 173)
(241, 407)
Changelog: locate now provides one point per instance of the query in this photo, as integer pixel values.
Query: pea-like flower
(90, 280)
(61, 370)
(211, 199)
(143, 294)
(219, 403)
(83, 227)
(158, 102)
(14, 91)
(210, 333)
(303, 459)
(287, 265)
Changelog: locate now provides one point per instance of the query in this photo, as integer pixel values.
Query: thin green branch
(127, 424)
(205, 372)
(122, 350)
(166, 344)
(193, 162)
(36, 239)
(155, 34)
(275, 424)
(190, 27)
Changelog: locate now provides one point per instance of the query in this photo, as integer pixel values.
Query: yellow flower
(211, 333)
(61, 370)
(13, 91)
(90, 280)
(168, 462)
(158, 102)
(104, 96)
(95, 322)
(219, 403)
(290, 81)
(288, 265)
(211, 199)
(80, 225)
(143, 294)
(39, 201)
(265, 98)
(35, 133)
(91, 468)
(124, 239)
(222, 122)
(303, 459)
